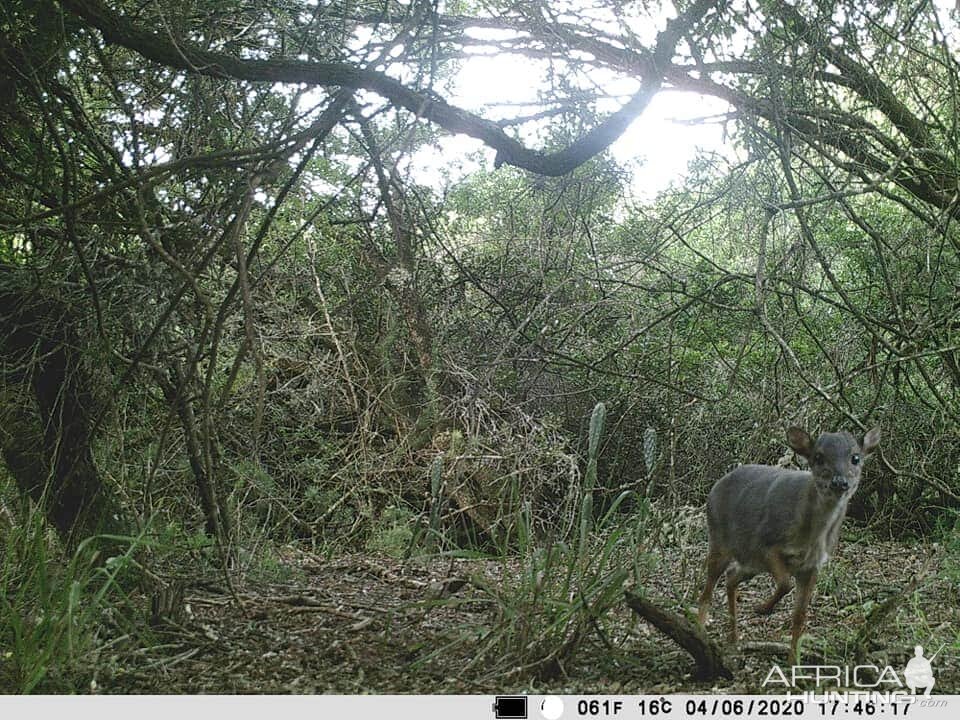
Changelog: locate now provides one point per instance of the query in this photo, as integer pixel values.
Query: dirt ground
(363, 624)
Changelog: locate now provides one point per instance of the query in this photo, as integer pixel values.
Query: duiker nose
(839, 482)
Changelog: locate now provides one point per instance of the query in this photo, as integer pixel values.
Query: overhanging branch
(187, 56)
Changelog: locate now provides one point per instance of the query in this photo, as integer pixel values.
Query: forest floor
(368, 624)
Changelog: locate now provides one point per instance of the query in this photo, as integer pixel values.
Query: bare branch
(187, 56)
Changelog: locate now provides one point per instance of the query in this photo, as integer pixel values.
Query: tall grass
(52, 608)
(554, 591)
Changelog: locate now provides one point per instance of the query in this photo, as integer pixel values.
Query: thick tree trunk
(47, 409)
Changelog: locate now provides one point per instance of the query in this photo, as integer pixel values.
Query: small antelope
(785, 522)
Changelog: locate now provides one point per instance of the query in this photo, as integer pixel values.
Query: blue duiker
(765, 519)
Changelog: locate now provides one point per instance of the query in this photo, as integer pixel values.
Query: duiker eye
(855, 460)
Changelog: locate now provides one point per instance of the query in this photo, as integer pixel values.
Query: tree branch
(187, 56)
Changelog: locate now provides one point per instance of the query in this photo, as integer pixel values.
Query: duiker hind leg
(735, 576)
(717, 562)
(782, 576)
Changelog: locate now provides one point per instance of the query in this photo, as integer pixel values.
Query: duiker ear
(800, 441)
(871, 440)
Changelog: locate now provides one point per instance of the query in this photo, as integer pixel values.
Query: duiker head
(835, 459)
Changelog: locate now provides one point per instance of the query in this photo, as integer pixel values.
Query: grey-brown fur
(786, 522)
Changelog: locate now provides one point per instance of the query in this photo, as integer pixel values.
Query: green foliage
(393, 532)
(294, 317)
(590, 480)
(52, 610)
(270, 566)
(950, 532)
(555, 591)
(436, 496)
(545, 607)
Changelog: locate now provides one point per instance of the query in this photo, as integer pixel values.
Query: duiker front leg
(805, 585)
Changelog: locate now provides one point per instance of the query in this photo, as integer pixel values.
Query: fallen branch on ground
(705, 652)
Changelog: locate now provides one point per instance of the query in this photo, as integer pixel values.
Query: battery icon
(510, 706)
